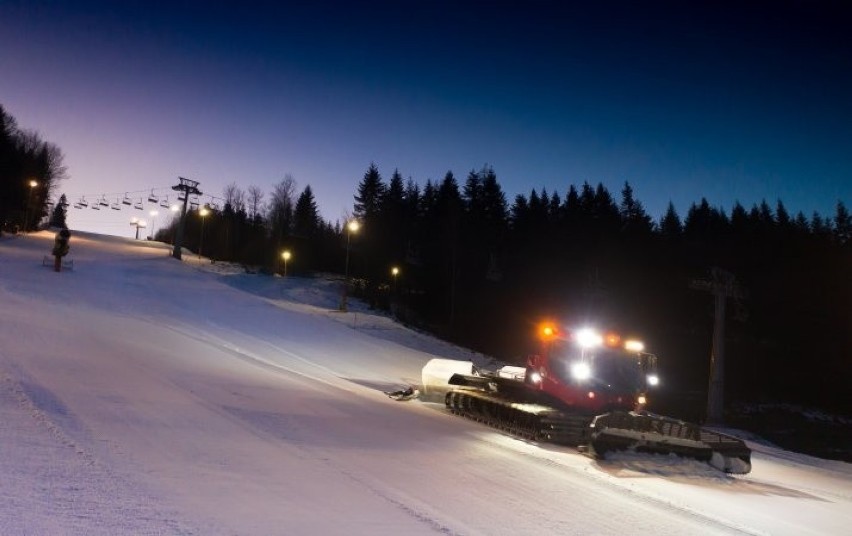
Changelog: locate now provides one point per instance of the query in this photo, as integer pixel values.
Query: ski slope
(143, 395)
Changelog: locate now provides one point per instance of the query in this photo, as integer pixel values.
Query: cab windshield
(612, 369)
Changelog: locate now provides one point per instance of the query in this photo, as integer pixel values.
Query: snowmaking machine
(585, 390)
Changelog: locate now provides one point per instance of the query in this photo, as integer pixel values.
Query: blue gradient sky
(682, 99)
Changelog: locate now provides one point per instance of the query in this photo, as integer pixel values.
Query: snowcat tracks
(656, 434)
(527, 421)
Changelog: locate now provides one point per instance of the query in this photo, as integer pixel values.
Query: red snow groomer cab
(590, 372)
(585, 389)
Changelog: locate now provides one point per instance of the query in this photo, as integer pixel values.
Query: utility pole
(188, 188)
(722, 285)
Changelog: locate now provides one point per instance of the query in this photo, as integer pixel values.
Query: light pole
(136, 222)
(153, 215)
(203, 213)
(351, 227)
(395, 274)
(286, 256)
(32, 184)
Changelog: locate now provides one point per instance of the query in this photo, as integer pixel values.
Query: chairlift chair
(126, 200)
(78, 205)
(82, 202)
(96, 206)
(165, 202)
(138, 205)
(116, 205)
(152, 198)
(103, 202)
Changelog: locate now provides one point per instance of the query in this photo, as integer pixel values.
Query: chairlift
(126, 200)
(138, 205)
(193, 204)
(77, 205)
(152, 198)
(165, 202)
(96, 206)
(116, 205)
(82, 202)
(103, 202)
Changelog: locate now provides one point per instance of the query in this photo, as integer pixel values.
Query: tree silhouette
(57, 217)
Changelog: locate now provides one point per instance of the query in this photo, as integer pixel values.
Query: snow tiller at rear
(584, 390)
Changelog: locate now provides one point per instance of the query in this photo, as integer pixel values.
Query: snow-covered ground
(142, 395)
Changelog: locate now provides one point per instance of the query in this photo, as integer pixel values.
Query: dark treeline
(482, 272)
(30, 170)
(252, 231)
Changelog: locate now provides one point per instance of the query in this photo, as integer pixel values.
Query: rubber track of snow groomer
(599, 435)
(527, 421)
(663, 435)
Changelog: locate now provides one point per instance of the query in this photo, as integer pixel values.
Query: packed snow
(144, 395)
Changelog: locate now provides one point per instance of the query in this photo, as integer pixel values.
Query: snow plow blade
(662, 435)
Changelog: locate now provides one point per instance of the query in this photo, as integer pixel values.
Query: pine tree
(520, 214)
(635, 220)
(493, 201)
(782, 216)
(842, 224)
(571, 210)
(472, 194)
(57, 217)
(371, 190)
(739, 219)
(394, 222)
(820, 227)
(553, 209)
(306, 220)
(670, 226)
(801, 224)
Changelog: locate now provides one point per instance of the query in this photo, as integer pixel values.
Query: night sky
(730, 101)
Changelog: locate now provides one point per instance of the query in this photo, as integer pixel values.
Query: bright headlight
(588, 338)
(653, 379)
(581, 371)
(634, 346)
(535, 377)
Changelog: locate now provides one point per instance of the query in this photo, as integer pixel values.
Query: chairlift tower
(722, 285)
(188, 187)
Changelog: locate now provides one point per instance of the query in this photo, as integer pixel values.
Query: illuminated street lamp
(395, 274)
(153, 215)
(32, 185)
(136, 222)
(286, 256)
(203, 213)
(351, 227)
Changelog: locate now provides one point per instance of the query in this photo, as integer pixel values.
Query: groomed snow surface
(143, 395)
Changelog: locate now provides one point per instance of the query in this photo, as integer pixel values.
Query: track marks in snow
(324, 375)
(601, 475)
(405, 505)
(54, 483)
